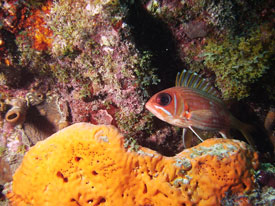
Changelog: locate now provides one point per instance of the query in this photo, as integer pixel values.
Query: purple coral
(266, 178)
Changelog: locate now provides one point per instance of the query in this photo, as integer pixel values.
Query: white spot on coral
(103, 117)
(185, 181)
(183, 163)
(219, 150)
(124, 25)
(108, 50)
(94, 8)
(105, 41)
(140, 152)
(104, 138)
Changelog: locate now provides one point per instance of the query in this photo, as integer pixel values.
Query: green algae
(240, 61)
(217, 150)
(268, 167)
(146, 73)
(131, 144)
(2, 150)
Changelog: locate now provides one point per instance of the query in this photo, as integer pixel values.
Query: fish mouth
(171, 120)
(154, 111)
(149, 107)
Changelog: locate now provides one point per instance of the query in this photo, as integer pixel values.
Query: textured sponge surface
(86, 164)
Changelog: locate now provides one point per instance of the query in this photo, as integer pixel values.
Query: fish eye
(163, 99)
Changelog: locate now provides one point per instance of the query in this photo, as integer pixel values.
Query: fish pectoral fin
(195, 133)
(202, 115)
(184, 130)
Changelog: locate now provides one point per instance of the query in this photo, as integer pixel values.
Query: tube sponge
(17, 114)
(86, 164)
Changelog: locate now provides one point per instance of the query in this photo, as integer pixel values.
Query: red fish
(193, 103)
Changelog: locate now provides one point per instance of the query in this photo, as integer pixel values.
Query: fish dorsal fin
(195, 81)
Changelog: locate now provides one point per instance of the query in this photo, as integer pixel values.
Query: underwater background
(99, 61)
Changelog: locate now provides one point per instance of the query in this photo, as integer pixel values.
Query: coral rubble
(86, 164)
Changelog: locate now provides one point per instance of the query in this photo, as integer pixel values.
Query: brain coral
(86, 164)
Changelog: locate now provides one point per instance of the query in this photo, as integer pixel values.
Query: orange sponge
(85, 164)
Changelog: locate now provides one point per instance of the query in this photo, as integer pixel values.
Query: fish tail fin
(246, 130)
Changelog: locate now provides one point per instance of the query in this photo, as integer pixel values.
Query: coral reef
(9, 76)
(67, 62)
(86, 164)
(86, 53)
(99, 62)
(94, 61)
(5, 172)
(45, 117)
(241, 61)
(265, 176)
(24, 122)
(267, 179)
(19, 18)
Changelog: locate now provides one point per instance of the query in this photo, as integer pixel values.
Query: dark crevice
(145, 189)
(153, 35)
(60, 175)
(77, 159)
(74, 200)
(101, 201)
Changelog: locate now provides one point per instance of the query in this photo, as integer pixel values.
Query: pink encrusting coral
(90, 52)
(98, 63)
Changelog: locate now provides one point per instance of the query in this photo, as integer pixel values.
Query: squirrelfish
(194, 103)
